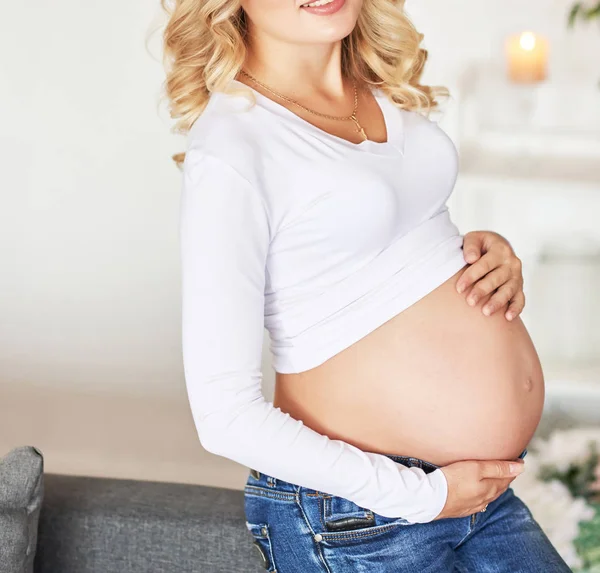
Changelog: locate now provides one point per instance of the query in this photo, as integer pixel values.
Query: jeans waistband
(427, 467)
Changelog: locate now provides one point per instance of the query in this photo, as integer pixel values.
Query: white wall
(88, 225)
(461, 33)
(89, 193)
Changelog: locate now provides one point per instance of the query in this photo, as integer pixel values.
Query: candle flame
(528, 41)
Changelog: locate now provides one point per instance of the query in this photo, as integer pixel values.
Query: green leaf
(575, 11)
(593, 12)
(581, 12)
(586, 543)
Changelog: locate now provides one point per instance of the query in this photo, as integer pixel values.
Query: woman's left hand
(494, 266)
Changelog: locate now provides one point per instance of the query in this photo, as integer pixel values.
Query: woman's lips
(326, 9)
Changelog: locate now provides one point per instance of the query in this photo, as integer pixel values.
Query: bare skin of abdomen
(439, 381)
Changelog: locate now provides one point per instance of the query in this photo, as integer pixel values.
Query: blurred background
(90, 362)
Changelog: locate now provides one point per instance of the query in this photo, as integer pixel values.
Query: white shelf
(532, 169)
(570, 380)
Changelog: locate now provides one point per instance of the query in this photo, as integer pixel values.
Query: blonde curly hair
(204, 48)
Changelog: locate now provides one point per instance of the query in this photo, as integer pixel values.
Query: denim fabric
(300, 530)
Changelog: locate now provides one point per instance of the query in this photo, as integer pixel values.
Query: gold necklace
(352, 117)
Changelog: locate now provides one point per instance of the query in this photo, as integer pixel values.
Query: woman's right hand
(473, 484)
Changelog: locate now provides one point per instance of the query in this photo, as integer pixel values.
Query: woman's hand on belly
(494, 266)
(439, 381)
(473, 484)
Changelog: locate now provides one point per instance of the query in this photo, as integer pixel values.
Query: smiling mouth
(316, 3)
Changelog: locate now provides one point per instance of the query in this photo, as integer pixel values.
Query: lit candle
(527, 58)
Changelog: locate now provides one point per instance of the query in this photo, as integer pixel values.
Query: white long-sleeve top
(320, 241)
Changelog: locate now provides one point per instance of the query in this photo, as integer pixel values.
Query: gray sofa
(101, 525)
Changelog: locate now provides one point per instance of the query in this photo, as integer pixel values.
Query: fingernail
(472, 300)
(460, 287)
(487, 310)
(516, 468)
(471, 256)
(510, 315)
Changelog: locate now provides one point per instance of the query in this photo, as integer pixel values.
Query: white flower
(556, 511)
(566, 447)
(551, 503)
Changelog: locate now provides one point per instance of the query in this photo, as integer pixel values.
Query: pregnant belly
(440, 381)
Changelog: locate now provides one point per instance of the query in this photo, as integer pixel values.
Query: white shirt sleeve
(224, 237)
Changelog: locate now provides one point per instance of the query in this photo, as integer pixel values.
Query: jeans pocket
(262, 542)
(342, 516)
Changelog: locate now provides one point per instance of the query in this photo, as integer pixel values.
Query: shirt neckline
(392, 117)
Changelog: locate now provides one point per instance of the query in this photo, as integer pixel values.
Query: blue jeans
(300, 530)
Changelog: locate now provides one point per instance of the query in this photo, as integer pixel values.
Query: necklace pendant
(362, 132)
(359, 129)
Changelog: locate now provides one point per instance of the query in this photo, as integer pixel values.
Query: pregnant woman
(314, 204)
